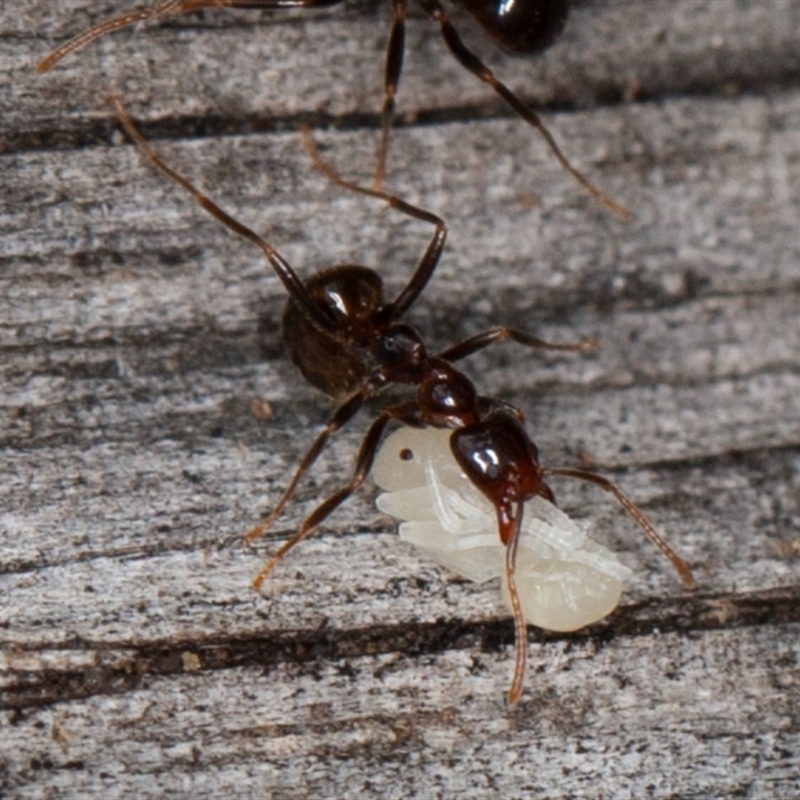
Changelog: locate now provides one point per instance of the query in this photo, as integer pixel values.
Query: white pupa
(564, 579)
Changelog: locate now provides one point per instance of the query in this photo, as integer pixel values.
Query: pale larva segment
(564, 579)
(392, 472)
(565, 595)
(445, 516)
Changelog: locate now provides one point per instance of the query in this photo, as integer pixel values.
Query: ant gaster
(349, 341)
(517, 26)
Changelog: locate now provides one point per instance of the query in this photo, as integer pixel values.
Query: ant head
(499, 458)
(521, 27)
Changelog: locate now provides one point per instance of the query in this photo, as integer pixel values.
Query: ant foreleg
(681, 567)
(341, 417)
(366, 455)
(501, 334)
(474, 65)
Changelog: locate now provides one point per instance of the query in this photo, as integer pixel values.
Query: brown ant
(348, 341)
(517, 26)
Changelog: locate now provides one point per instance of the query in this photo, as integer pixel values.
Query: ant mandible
(517, 26)
(350, 343)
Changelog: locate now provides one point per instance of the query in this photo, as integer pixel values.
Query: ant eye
(399, 346)
(390, 351)
(389, 344)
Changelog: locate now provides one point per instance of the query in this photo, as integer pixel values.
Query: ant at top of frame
(522, 27)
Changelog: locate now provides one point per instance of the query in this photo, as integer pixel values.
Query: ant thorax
(564, 579)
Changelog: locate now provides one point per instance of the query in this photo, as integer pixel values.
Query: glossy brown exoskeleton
(350, 342)
(517, 26)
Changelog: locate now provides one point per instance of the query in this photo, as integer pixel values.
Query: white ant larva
(564, 579)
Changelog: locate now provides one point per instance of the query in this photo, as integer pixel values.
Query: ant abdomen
(521, 27)
(332, 360)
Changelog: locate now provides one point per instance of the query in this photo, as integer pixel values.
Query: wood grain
(135, 331)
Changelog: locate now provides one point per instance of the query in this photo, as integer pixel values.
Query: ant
(517, 26)
(348, 341)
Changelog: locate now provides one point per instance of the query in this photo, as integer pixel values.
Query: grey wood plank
(382, 726)
(134, 332)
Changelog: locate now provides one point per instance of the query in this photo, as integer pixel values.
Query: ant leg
(520, 626)
(366, 455)
(394, 67)
(340, 417)
(294, 286)
(500, 334)
(427, 264)
(474, 65)
(680, 566)
(165, 8)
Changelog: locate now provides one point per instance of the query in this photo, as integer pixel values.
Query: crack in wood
(655, 616)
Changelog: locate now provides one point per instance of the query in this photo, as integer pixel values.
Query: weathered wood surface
(134, 332)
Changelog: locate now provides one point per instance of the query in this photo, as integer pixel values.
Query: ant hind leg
(288, 277)
(473, 64)
(427, 264)
(394, 68)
